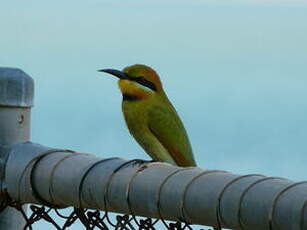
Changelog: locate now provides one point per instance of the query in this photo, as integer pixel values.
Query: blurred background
(236, 71)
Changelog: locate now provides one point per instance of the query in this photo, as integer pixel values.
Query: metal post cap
(16, 88)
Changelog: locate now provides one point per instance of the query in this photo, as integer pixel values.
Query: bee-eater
(151, 118)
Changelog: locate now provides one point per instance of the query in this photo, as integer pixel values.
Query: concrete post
(16, 100)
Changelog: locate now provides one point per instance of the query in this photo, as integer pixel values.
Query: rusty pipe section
(61, 178)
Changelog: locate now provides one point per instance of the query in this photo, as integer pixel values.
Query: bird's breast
(136, 115)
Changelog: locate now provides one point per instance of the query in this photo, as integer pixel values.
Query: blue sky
(235, 71)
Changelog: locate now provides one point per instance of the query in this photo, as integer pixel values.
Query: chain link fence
(63, 219)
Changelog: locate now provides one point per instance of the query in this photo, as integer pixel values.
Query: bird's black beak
(116, 73)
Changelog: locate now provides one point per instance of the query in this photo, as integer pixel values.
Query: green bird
(151, 118)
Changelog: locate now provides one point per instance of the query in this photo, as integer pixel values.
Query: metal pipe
(16, 100)
(60, 178)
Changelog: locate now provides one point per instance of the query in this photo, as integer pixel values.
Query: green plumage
(155, 125)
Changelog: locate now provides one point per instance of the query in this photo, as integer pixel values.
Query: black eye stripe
(141, 80)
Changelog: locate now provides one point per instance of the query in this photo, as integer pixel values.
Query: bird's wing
(167, 127)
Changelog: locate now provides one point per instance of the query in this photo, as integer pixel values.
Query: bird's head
(137, 81)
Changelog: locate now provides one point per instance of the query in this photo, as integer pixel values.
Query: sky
(234, 70)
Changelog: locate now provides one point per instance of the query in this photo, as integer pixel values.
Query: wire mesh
(64, 219)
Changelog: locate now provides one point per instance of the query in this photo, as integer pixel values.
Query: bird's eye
(143, 81)
(140, 79)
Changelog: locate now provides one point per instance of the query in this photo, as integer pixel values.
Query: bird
(150, 116)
